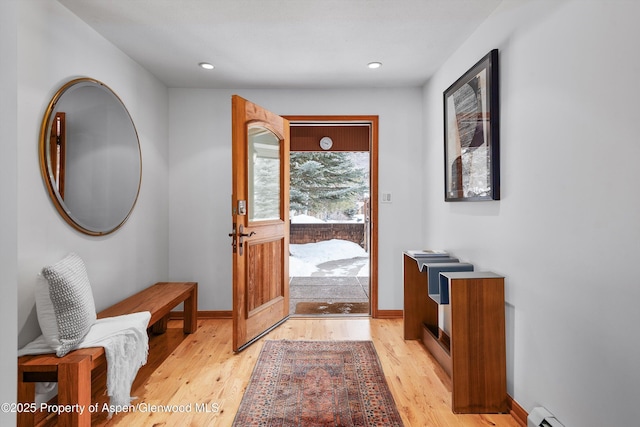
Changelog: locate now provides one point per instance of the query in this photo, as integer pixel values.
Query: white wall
(200, 179)
(566, 231)
(55, 46)
(8, 200)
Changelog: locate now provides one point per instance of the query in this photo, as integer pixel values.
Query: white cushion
(46, 314)
(72, 301)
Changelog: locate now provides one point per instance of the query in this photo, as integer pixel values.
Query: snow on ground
(306, 257)
(327, 250)
(305, 219)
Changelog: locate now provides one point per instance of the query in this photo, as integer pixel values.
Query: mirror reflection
(90, 157)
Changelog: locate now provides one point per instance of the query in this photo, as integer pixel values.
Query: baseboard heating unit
(540, 417)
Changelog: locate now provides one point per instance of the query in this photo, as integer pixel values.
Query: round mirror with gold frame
(90, 157)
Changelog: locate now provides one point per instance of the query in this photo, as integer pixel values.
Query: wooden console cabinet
(473, 353)
(419, 308)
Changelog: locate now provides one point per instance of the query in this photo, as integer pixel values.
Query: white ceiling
(286, 43)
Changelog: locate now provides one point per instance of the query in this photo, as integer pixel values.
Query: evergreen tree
(324, 183)
(265, 188)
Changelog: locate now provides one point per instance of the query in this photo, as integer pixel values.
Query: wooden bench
(73, 371)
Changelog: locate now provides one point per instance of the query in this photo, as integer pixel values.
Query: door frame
(372, 121)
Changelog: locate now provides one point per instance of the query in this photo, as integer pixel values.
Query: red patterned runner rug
(317, 383)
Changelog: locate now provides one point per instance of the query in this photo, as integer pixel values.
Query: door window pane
(264, 174)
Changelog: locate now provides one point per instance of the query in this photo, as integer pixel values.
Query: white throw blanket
(126, 347)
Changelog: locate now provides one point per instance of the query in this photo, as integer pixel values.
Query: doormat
(318, 383)
(332, 308)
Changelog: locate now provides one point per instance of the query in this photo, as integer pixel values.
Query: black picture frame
(472, 134)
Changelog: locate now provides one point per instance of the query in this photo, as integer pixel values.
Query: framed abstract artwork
(472, 134)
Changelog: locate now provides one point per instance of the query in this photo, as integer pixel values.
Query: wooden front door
(260, 214)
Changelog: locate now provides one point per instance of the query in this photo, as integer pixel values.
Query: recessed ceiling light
(206, 65)
(373, 65)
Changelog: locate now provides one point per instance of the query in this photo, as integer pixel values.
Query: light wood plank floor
(200, 370)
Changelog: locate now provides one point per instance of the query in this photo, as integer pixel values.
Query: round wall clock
(326, 143)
